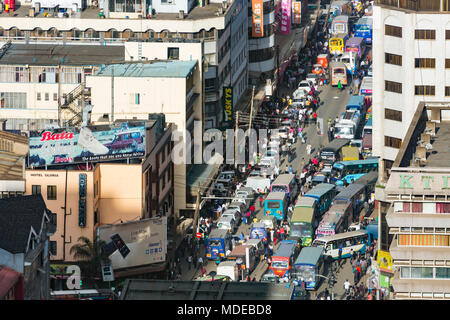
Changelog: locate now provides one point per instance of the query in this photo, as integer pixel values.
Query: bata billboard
(88, 144)
(136, 243)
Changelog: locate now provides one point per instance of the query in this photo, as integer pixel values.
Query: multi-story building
(86, 196)
(43, 84)
(262, 55)
(171, 87)
(220, 25)
(418, 218)
(411, 61)
(25, 228)
(13, 150)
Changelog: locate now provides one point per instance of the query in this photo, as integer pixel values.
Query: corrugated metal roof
(157, 69)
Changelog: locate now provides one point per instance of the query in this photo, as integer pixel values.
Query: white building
(41, 83)
(220, 25)
(411, 61)
(137, 90)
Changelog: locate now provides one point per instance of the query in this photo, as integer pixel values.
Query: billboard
(296, 12)
(87, 144)
(138, 243)
(285, 17)
(257, 18)
(227, 104)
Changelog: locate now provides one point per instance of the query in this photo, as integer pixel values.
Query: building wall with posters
(262, 57)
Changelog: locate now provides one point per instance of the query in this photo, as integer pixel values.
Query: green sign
(227, 98)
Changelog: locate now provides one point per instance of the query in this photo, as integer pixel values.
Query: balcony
(418, 5)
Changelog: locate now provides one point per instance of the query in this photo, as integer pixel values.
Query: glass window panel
(442, 273)
(405, 272)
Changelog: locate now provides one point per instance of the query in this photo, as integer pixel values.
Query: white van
(227, 223)
(232, 213)
(257, 243)
(238, 206)
(229, 269)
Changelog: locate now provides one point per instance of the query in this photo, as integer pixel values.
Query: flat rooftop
(152, 69)
(53, 54)
(208, 11)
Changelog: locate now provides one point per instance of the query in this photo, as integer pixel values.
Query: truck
(348, 124)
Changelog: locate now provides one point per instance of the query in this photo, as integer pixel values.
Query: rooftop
(426, 143)
(153, 69)
(52, 54)
(18, 215)
(196, 13)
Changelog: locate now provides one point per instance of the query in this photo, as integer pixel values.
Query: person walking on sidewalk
(189, 260)
(261, 201)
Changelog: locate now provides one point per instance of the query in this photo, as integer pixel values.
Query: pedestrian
(261, 201)
(218, 260)
(203, 271)
(347, 286)
(340, 253)
(339, 85)
(189, 260)
(200, 261)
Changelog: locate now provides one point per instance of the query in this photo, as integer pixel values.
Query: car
(245, 192)
(127, 139)
(283, 132)
(226, 177)
(270, 277)
(318, 179)
(241, 200)
(257, 172)
(357, 143)
(370, 72)
(305, 84)
(354, 227)
(234, 214)
(312, 77)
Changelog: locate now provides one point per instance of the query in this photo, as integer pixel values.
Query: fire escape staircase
(75, 102)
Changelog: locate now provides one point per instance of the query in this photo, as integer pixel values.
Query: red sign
(257, 18)
(199, 235)
(47, 136)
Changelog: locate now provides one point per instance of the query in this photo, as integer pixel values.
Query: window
(35, 189)
(425, 34)
(424, 90)
(393, 86)
(163, 156)
(210, 84)
(391, 114)
(393, 59)
(13, 100)
(55, 97)
(393, 31)
(173, 53)
(447, 34)
(447, 63)
(442, 273)
(135, 98)
(168, 175)
(163, 181)
(392, 142)
(47, 96)
(51, 192)
(425, 63)
(38, 96)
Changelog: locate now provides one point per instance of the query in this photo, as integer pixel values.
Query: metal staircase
(75, 102)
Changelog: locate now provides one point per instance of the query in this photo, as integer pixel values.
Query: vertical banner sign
(285, 17)
(296, 12)
(257, 22)
(228, 104)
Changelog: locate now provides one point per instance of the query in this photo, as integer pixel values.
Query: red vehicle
(317, 68)
(283, 258)
(124, 140)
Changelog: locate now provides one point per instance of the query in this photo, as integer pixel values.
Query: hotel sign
(418, 183)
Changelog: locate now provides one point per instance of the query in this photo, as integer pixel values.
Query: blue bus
(363, 28)
(258, 231)
(351, 170)
(276, 205)
(309, 264)
(216, 244)
(324, 194)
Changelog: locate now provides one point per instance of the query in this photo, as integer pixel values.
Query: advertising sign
(384, 261)
(88, 144)
(285, 17)
(296, 12)
(145, 241)
(257, 18)
(228, 104)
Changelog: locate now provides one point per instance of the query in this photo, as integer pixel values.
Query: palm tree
(90, 257)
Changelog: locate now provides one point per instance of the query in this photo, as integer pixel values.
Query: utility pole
(236, 127)
(251, 110)
(197, 210)
(112, 93)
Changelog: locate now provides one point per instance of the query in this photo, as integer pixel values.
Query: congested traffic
(297, 211)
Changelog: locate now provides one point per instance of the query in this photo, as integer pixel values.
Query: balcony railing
(418, 5)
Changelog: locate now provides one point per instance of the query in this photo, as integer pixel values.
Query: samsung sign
(88, 144)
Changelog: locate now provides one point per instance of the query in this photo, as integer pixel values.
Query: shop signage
(87, 144)
(285, 17)
(408, 180)
(296, 12)
(228, 103)
(257, 18)
(384, 261)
